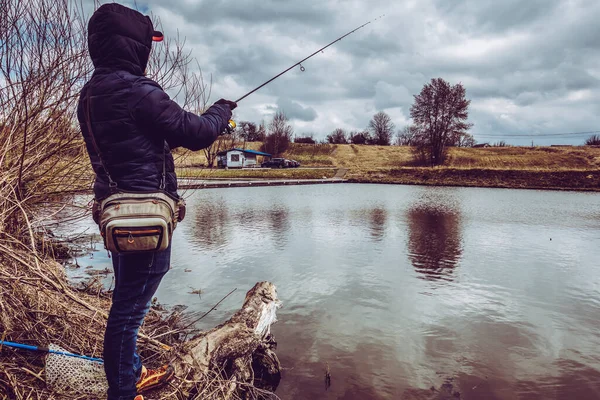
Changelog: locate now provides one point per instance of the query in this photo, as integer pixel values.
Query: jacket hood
(120, 38)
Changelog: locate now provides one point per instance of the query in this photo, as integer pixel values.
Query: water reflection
(377, 222)
(434, 239)
(334, 217)
(372, 219)
(520, 323)
(248, 218)
(211, 228)
(574, 380)
(279, 224)
(361, 367)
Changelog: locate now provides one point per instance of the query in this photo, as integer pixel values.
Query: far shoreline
(557, 180)
(566, 181)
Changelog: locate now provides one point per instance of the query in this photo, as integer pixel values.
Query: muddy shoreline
(584, 181)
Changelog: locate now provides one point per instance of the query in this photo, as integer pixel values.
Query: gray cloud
(529, 67)
(493, 16)
(294, 110)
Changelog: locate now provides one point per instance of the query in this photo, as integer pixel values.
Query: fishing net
(71, 375)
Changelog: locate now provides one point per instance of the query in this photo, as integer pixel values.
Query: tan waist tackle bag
(137, 222)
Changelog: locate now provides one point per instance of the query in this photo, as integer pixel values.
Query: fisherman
(135, 125)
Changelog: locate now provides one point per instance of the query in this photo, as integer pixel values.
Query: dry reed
(43, 65)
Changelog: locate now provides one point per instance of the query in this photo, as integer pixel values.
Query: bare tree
(44, 63)
(280, 134)
(407, 136)
(180, 75)
(338, 136)
(382, 129)
(43, 60)
(224, 142)
(465, 140)
(248, 131)
(171, 66)
(440, 113)
(261, 132)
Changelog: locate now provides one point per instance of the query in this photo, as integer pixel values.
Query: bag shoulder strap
(163, 181)
(112, 184)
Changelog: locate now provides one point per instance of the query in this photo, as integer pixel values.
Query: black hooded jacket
(134, 122)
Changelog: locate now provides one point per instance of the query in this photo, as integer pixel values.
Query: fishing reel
(230, 127)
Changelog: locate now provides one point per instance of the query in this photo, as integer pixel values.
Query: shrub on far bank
(305, 140)
(593, 140)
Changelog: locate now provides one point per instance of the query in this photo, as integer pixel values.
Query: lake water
(405, 292)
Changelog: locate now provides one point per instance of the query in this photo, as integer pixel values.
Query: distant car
(274, 163)
(292, 164)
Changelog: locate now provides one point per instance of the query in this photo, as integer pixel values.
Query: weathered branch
(241, 349)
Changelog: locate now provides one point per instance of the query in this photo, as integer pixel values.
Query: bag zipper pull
(130, 239)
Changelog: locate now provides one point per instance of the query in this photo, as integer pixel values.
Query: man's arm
(160, 116)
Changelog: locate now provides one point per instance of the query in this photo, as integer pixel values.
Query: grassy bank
(477, 177)
(572, 168)
(362, 157)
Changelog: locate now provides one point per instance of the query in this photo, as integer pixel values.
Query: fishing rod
(301, 61)
(47, 350)
(232, 124)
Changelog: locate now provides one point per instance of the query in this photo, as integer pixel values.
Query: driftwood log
(240, 351)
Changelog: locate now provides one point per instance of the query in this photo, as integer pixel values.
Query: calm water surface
(490, 294)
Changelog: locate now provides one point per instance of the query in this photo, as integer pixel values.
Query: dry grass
(586, 180)
(313, 155)
(366, 158)
(370, 158)
(526, 158)
(38, 307)
(362, 157)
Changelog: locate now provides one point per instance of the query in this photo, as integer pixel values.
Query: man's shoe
(154, 378)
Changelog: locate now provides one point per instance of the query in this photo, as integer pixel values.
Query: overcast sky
(529, 67)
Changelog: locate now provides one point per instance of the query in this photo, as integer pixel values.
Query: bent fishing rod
(301, 61)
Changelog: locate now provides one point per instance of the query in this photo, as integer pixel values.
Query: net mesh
(72, 375)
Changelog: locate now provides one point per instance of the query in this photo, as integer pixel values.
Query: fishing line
(302, 68)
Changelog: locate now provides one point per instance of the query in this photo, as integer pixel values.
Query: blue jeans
(137, 277)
